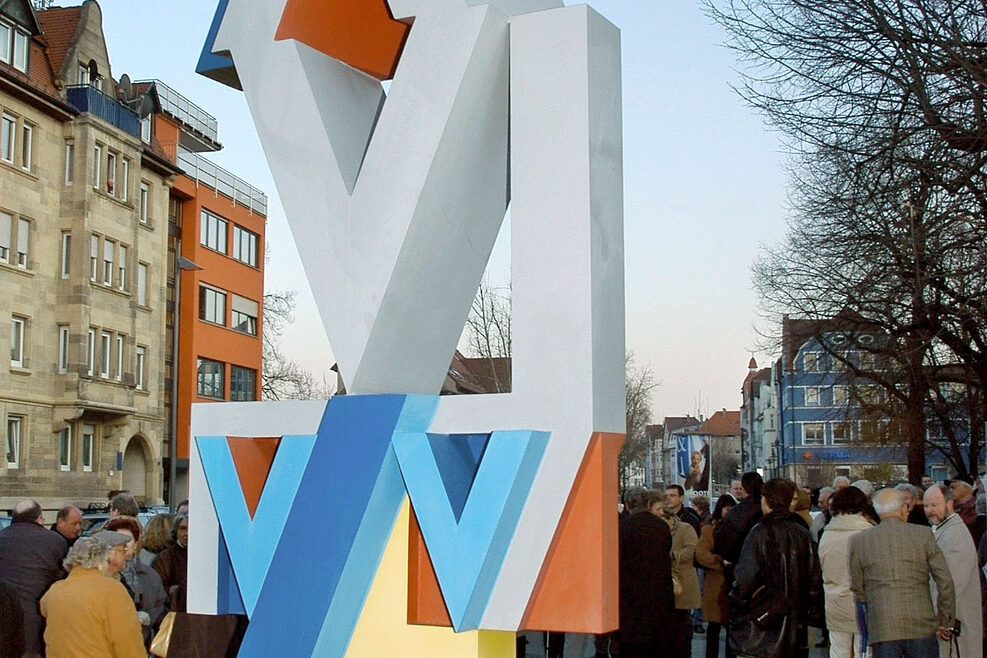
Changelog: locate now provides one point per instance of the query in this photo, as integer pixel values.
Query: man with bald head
(890, 566)
(30, 561)
(957, 546)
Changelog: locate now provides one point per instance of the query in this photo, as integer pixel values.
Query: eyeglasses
(122, 548)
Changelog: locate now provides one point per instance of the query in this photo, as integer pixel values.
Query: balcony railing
(184, 110)
(211, 175)
(86, 98)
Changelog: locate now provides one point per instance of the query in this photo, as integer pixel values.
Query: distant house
(758, 418)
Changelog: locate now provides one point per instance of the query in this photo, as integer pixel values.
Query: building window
(213, 232)
(91, 352)
(6, 228)
(142, 284)
(245, 246)
(104, 354)
(65, 449)
(146, 129)
(841, 396)
(17, 341)
(108, 248)
(813, 434)
(810, 362)
(139, 373)
(867, 361)
(842, 433)
(212, 305)
(243, 384)
(88, 440)
(244, 315)
(69, 163)
(144, 201)
(812, 396)
(97, 166)
(27, 147)
(8, 135)
(93, 258)
(122, 268)
(211, 384)
(119, 372)
(66, 255)
(14, 426)
(23, 240)
(111, 173)
(83, 75)
(63, 349)
(125, 181)
(21, 48)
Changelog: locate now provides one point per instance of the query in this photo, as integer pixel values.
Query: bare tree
(282, 378)
(640, 385)
(882, 104)
(489, 330)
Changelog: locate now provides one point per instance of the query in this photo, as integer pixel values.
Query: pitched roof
(722, 423)
(59, 25)
(493, 374)
(673, 423)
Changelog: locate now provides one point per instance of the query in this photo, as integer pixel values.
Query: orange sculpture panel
(360, 33)
(253, 459)
(585, 543)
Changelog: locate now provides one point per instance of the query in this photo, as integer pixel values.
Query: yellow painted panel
(383, 628)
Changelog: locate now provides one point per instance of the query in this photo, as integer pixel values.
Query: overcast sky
(704, 187)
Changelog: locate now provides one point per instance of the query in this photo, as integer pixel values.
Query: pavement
(699, 648)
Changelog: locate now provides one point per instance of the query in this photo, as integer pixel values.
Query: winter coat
(645, 578)
(172, 566)
(684, 542)
(777, 588)
(91, 616)
(961, 557)
(30, 561)
(715, 601)
(728, 539)
(841, 610)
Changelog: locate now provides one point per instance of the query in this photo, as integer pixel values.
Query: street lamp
(182, 264)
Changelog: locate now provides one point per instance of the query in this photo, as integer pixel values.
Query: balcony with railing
(195, 119)
(87, 98)
(206, 173)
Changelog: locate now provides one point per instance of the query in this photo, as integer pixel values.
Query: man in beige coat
(957, 546)
(890, 567)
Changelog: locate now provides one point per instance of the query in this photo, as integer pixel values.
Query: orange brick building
(216, 254)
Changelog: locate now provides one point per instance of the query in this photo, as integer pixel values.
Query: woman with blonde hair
(156, 537)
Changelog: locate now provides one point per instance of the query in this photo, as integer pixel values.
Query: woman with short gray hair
(88, 613)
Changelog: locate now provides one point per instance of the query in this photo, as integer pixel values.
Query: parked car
(95, 517)
(5, 521)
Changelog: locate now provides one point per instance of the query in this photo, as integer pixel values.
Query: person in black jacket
(30, 561)
(645, 578)
(730, 535)
(777, 591)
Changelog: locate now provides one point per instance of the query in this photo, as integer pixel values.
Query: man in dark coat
(645, 578)
(729, 536)
(30, 561)
(777, 590)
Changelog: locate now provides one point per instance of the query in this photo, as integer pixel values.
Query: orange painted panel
(585, 543)
(253, 458)
(426, 606)
(359, 33)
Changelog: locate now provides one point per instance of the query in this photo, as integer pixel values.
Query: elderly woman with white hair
(90, 615)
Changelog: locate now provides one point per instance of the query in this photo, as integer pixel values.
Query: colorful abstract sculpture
(300, 510)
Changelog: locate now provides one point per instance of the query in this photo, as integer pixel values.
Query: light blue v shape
(468, 555)
(251, 543)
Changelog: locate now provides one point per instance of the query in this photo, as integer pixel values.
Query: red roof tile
(59, 25)
(722, 423)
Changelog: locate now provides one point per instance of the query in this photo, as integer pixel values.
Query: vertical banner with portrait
(694, 463)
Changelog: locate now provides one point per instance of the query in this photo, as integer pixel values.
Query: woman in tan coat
(716, 609)
(684, 540)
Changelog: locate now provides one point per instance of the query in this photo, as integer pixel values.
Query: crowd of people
(895, 572)
(98, 596)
